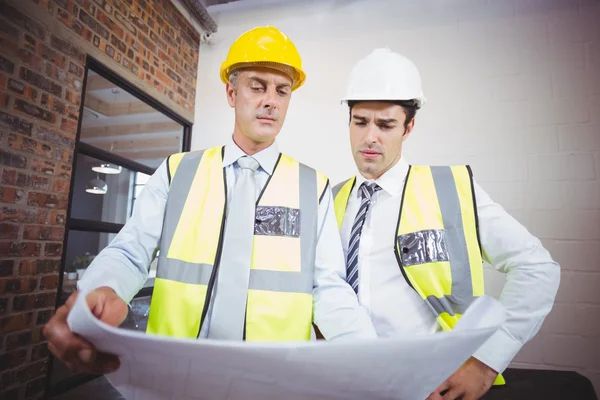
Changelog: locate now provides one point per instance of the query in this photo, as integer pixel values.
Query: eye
(257, 89)
(360, 123)
(282, 92)
(386, 127)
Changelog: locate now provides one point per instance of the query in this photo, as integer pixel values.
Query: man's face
(261, 97)
(376, 135)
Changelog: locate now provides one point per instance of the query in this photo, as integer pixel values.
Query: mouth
(369, 154)
(266, 119)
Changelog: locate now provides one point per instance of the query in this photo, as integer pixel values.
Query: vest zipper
(397, 248)
(213, 275)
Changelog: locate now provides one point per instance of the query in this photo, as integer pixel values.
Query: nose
(269, 101)
(371, 136)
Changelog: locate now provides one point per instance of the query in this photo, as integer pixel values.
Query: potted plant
(71, 272)
(82, 262)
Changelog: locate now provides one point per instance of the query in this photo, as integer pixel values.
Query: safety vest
(279, 303)
(437, 238)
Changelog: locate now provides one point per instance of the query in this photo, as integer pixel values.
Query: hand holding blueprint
(410, 367)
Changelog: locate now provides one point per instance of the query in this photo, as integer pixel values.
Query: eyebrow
(265, 83)
(387, 121)
(360, 118)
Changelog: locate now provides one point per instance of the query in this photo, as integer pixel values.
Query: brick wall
(513, 89)
(43, 47)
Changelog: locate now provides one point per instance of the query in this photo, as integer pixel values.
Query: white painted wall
(513, 89)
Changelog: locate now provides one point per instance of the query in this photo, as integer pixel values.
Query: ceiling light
(96, 186)
(107, 168)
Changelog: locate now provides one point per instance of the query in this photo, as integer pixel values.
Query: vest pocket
(423, 247)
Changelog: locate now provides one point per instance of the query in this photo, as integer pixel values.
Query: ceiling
(116, 121)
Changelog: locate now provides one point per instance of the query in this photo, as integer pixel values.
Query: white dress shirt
(123, 264)
(396, 308)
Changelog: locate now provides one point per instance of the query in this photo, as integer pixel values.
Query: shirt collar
(267, 158)
(392, 181)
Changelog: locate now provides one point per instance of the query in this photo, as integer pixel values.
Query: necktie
(229, 309)
(367, 190)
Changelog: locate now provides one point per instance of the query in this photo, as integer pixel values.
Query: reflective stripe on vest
(437, 244)
(279, 305)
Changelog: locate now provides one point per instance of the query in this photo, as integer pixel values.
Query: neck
(249, 146)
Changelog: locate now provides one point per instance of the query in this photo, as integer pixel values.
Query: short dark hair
(410, 107)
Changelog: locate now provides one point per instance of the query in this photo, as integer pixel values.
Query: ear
(230, 94)
(409, 129)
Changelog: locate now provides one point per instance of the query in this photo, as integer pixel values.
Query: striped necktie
(367, 190)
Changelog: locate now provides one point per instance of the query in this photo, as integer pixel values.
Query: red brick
(76, 69)
(53, 104)
(40, 351)
(64, 17)
(18, 340)
(4, 98)
(139, 23)
(11, 195)
(27, 268)
(61, 186)
(82, 30)
(43, 166)
(73, 113)
(9, 177)
(32, 371)
(68, 125)
(24, 90)
(20, 249)
(9, 231)
(67, 48)
(47, 266)
(55, 73)
(43, 317)
(16, 322)
(57, 217)
(125, 22)
(15, 285)
(3, 310)
(8, 213)
(12, 159)
(55, 137)
(34, 111)
(40, 81)
(36, 199)
(63, 171)
(13, 359)
(7, 267)
(3, 80)
(110, 24)
(49, 281)
(53, 56)
(73, 97)
(37, 232)
(23, 21)
(33, 301)
(28, 145)
(53, 249)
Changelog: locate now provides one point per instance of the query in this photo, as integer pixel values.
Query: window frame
(75, 224)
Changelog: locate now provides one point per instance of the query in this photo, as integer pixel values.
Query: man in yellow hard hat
(248, 245)
(415, 237)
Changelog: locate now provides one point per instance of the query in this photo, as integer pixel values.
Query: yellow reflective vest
(279, 304)
(437, 238)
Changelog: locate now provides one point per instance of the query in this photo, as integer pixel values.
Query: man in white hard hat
(415, 237)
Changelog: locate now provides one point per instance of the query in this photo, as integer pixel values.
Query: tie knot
(246, 162)
(368, 188)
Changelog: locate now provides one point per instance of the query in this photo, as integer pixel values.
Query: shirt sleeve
(337, 313)
(123, 265)
(532, 280)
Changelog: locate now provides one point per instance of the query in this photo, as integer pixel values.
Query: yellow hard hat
(264, 46)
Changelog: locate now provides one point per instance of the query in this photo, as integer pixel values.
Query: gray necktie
(229, 310)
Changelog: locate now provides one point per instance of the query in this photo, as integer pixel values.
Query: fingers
(72, 350)
(453, 393)
(107, 306)
(434, 396)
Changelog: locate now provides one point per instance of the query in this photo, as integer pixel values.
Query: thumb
(107, 306)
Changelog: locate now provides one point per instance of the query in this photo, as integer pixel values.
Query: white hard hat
(385, 75)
